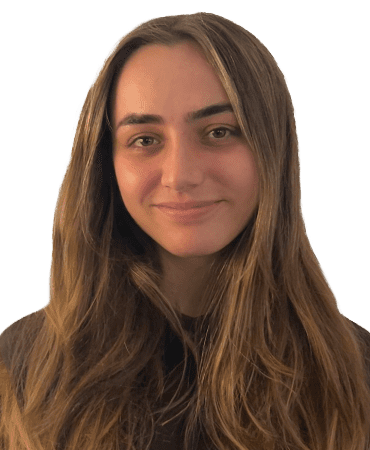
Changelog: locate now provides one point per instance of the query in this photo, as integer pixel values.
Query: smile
(189, 215)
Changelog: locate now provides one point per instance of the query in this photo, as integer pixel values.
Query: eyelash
(235, 132)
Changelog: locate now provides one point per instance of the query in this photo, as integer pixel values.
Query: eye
(217, 134)
(223, 130)
(220, 133)
(146, 141)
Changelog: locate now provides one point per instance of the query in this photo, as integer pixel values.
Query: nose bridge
(182, 164)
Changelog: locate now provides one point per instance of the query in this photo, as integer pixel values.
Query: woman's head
(276, 361)
(218, 61)
(181, 160)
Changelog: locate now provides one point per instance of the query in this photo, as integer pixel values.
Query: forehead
(158, 78)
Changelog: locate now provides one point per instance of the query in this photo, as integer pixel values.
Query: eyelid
(142, 136)
(233, 130)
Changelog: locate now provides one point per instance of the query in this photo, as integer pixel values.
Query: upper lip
(186, 205)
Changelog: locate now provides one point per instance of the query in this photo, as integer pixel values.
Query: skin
(179, 161)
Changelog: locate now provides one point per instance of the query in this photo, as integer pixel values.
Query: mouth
(187, 205)
(188, 215)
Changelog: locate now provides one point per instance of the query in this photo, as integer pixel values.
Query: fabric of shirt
(171, 435)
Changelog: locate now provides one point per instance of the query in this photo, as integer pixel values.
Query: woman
(175, 327)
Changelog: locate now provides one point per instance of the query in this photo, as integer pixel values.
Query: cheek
(241, 173)
(250, 183)
(133, 181)
(127, 178)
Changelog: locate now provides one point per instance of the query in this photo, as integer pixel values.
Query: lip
(186, 216)
(187, 205)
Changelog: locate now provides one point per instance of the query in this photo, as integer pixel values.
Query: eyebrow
(136, 119)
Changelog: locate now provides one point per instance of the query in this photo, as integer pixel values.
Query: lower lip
(188, 215)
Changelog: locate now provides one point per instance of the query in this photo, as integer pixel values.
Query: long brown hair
(278, 365)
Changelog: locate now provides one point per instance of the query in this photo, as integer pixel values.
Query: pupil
(145, 140)
(219, 131)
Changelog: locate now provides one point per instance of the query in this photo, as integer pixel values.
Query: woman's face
(178, 160)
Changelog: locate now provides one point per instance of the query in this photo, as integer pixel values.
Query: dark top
(171, 435)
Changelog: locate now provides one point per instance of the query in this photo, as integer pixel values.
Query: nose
(182, 167)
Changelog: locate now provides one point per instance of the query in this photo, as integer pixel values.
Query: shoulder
(363, 337)
(19, 336)
(362, 334)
